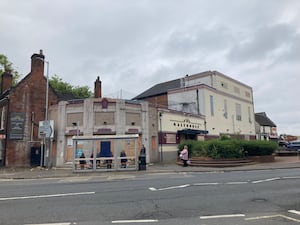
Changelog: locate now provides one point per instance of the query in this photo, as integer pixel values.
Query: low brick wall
(208, 162)
(262, 158)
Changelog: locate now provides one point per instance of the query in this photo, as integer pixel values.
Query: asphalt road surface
(233, 198)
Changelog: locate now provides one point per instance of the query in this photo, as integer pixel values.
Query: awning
(273, 136)
(192, 132)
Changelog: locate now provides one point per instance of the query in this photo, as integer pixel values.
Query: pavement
(167, 167)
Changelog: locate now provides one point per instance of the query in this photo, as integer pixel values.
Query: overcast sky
(135, 44)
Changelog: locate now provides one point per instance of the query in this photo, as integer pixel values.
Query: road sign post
(46, 133)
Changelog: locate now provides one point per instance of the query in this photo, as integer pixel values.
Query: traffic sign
(46, 129)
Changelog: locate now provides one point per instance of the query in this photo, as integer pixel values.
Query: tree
(7, 66)
(61, 87)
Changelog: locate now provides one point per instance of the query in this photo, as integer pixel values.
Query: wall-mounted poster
(16, 122)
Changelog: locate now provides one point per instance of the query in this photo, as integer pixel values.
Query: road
(230, 198)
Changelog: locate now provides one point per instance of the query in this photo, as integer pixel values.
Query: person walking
(184, 155)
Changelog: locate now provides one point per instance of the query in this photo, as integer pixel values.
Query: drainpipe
(197, 99)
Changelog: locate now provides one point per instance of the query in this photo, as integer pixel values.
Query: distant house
(265, 128)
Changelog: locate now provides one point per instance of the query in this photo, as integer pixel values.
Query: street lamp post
(46, 115)
(161, 138)
(47, 90)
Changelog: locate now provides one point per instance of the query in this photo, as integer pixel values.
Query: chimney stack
(97, 90)
(6, 83)
(37, 63)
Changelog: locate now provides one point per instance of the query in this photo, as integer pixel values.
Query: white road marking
(51, 224)
(46, 196)
(169, 188)
(216, 183)
(152, 189)
(205, 184)
(221, 216)
(174, 187)
(294, 211)
(240, 182)
(290, 177)
(262, 217)
(266, 180)
(273, 216)
(134, 221)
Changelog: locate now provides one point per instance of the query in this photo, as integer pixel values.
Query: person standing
(123, 159)
(82, 161)
(184, 155)
(143, 150)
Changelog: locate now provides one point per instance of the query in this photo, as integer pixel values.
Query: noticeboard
(16, 122)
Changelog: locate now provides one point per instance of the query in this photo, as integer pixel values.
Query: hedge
(228, 148)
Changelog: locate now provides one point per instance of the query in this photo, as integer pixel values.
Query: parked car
(282, 143)
(293, 145)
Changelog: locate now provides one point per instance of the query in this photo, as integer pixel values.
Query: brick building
(21, 109)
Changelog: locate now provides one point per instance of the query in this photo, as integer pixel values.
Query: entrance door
(105, 150)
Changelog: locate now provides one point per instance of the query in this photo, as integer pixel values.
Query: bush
(225, 149)
(228, 148)
(259, 148)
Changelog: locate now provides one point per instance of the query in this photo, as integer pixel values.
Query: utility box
(35, 156)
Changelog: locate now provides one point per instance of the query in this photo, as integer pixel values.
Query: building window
(74, 118)
(225, 109)
(133, 119)
(104, 118)
(249, 114)
(211, 98)
(247, 94)
(238, 111)
(236, 90)
(3, 116)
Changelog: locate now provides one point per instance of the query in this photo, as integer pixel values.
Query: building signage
(17, 122)
(104, 131)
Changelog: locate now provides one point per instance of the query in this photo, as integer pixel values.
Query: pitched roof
(159, 89)
(262, 119)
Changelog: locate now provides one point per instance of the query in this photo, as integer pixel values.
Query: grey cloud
(264, 43)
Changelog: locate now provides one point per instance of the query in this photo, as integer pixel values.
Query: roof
(163, 88)
(159, 89)
(262, 119)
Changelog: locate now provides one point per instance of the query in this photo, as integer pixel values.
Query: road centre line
(174, 187)
(221, 216)
(239, 182)
(273, 216)
(266, 180)
(46, 196)
(134, 221)
(217, 183)
(51, 224)
(205, 184)
(290, 177)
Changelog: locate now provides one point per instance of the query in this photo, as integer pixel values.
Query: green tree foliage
(61, 87)
(6, 65)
